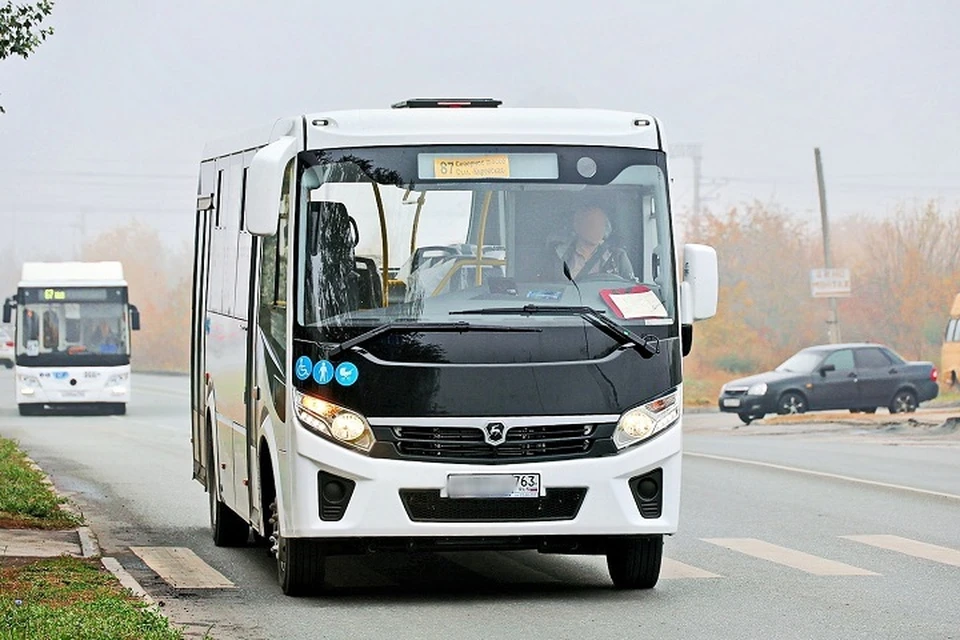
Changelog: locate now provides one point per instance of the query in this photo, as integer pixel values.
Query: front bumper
(376, 510)
(744, 404)
(57, 391)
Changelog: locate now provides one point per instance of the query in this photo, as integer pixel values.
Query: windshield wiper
(648, 345)
(403, 325)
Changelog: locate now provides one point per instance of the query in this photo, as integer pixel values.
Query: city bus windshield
(429, 234)
(77, 331)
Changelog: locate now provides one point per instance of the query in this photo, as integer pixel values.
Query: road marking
(127, 580)
(182, 568)
(676, 570)
(824, 474)
(789, 557)
(944, 555)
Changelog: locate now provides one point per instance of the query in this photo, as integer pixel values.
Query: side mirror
(701, 284)
(265, 185)
(8, 306)
(827, 368)
(134, 318)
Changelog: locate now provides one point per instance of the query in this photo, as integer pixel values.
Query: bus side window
(31, 327)
(273, 277)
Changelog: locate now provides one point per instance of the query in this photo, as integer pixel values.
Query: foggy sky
(109, 116)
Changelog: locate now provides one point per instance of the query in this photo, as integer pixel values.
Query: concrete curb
(113, 566)
(88, 543)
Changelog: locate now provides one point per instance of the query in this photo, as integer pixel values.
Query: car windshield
(802, 362)
(423, 234)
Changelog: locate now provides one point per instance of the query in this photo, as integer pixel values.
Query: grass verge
(26, 500)
(73, 599)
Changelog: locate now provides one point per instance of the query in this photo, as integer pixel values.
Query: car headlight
(645, 421)
(758, 389)
(334, 422)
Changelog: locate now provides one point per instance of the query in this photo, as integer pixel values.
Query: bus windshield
(424, 234)
(75, 330)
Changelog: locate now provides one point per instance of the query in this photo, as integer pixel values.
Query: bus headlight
(334, 422)
(643, 422)
(28, 384)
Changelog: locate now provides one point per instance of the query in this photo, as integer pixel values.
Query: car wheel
(870, 410)
(746, 418)
(855, 410)
(905, 401)
(635, 563)
(791, 402)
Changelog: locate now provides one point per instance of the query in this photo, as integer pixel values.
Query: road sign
(830, 283)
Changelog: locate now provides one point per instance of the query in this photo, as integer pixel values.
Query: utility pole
(694, 152)
(833, 322)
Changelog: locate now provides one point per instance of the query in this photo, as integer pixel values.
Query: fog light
(334, 491)
(648, 488)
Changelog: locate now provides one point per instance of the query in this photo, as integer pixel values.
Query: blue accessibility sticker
(303, 368)
(347, 373)
(323, 372)
(61, 375)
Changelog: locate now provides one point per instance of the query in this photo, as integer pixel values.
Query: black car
(858, 377)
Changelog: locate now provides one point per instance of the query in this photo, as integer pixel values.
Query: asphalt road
(742, 523)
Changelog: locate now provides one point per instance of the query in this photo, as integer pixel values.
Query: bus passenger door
(198, 324)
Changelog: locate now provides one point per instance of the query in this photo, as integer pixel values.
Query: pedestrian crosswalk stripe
(915, 548)
(181, 568)
(789, 557)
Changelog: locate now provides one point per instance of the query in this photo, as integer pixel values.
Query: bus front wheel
(300, 561)
(634, 563)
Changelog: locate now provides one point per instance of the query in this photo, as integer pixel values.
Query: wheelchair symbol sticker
(347, 373)
(323, 372)
(303, 368)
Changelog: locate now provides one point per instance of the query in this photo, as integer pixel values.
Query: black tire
(904, 401)
(9, 365)
(791, 402)
(301, 565)
(229, 529)
(870, 410)
(745, 418)
(856, 410)
(634, 563)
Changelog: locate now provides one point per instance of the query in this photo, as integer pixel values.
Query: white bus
(411, 332)
(72, 332)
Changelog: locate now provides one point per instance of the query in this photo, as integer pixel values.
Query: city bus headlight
(334, 422)
(645, 421)
(117, 384)
(28, 385)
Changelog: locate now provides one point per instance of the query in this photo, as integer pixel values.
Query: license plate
(494, 485)
(731, 402)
